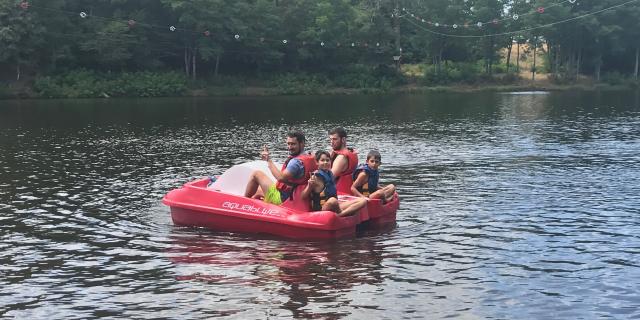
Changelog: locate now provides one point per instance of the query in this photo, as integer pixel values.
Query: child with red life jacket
(366, 180)
(321, 190)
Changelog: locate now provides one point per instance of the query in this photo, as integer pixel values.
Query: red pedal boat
(222, 206)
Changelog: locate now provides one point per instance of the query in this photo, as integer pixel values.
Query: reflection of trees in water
(310, 272)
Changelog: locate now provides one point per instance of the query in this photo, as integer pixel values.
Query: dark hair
(296, 134)
(319, 154)
(340, 131)
(374, 154)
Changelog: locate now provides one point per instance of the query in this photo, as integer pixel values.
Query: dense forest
(344, 41)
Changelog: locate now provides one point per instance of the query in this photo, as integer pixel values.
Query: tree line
(205, 38)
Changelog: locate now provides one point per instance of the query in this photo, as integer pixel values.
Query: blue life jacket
(329, 191)
(372, 184)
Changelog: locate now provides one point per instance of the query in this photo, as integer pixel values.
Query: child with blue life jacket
(322, 193)
(366, 180)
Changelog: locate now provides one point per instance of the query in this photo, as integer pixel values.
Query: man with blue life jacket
(343, 160)
(295, 171)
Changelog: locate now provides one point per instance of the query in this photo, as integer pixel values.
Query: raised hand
(264, 155)
(312, 181)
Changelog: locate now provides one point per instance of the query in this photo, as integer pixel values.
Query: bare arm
(339, 165)
(281, 176)
(306, 193)
(314, 185)
(360, 180)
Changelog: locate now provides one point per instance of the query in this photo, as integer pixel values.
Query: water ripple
(512, 206)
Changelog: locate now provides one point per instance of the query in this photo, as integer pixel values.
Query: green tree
(21, 36)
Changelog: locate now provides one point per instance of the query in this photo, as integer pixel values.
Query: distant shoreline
(409, 89)
(28, 92)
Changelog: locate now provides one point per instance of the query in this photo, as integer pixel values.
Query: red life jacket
(344, 180)
(308, 164)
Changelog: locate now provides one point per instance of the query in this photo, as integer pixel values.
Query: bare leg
(379, 194)
(386, 193)
(350, 207)
(389, 191)
(331, 205)
(258, 179)
(258, 195)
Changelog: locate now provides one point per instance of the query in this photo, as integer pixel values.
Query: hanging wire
(92, 16)
(160, 47)
(207, 33)
(413, 15)
(125, 39)
(345, 43)
(521, 30)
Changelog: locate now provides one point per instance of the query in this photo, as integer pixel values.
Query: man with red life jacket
(294, 172)
(343, 160)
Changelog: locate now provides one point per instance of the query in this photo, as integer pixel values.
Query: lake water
(513, 206)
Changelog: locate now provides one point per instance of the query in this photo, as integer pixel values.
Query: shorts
(273, 196)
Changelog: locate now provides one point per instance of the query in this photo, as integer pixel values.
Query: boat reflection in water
(295, 275)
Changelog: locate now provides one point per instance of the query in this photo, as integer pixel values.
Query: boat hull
(187, 217)
(196, 204)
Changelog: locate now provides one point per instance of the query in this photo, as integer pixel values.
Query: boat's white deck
(235, 179)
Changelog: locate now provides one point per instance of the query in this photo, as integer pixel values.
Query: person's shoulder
(296, 163)
(340, 155)
(331, 179)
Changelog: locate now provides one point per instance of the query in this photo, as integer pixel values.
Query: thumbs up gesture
(313, 182)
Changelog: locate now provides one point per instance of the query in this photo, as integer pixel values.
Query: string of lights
(132, 24)
(480, 24)
(377, 46)
(411, 21)
(162, 47)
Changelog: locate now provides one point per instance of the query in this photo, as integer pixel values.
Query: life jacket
(372, 183)
(329, 190)
(308, 164)
(343, 180)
